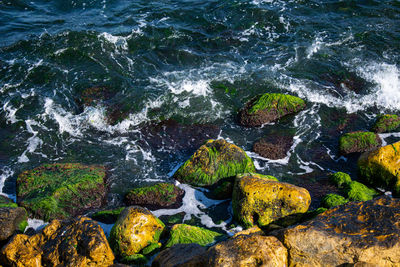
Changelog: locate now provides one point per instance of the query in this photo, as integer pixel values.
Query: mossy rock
(386, 123)
(61, 190)
(107, 216)
(340, 179)
(381, 167)
(157, 196)
(358, 142)
(260, 201)
(333, 200)
(137, 231)
(359, 192)
(12, 219)
(269, 107)
(187, 234)
(5, 202)
(213, 161)
(257, 175)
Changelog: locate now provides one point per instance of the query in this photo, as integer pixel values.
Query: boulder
(381, 167)
(177, 255)
(340, 179)
(259, 200)
(215, 160)
(157, 196)
(273, 147)
(187, 234)
(386, 123)
(244, 250)
(354, 232)
(78, 242)
(269, 107)
(358, 142)
(333, 200)
(136, 231)
(357, 191)
(12, 220)
(61, 190)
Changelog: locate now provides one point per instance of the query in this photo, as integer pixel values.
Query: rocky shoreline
(356, 224)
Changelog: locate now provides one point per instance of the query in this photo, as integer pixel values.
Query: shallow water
(164, 63)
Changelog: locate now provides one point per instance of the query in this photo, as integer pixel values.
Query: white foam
(5, 173)
(383, 136)
(36, 224)
(33, 142)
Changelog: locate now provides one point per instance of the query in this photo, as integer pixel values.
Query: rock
(273, 147)
(354, 232)
(255, 230)
(177, 255)
(358, 142)
(107, 216)
(222, 189)
(261, 201)
(386, 123)
(381, 167)
(269, 107)
(136, 230)
(213, 161)
(187, 234)
(244, 250)
(12, 220)
(5, 202)
(356, 191)
(61, 190)
(333, 200)
(78, 242)
(340, 179)
(157, 196)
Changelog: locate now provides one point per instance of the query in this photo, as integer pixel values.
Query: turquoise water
(178, 72)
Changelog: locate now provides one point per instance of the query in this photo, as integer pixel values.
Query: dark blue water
(177, 72)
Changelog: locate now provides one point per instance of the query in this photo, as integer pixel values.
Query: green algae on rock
(215, 160)
(358, 142)
(187, 234)
(381, 167)
(386, 123)
(107, 216)
(261, 201)
(157, 196)
(340, 179)
(5, 202)
(61, 190)
(269, 107)
(12, 219)
(136, 231)
(333, 200)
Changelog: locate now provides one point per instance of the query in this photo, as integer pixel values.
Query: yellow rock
(261, 201)
(381, 167)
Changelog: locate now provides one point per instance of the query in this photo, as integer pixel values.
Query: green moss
(137, 259)
(359, 192)
(22, 225)
(173, 219)
(107, 215)
(8, 205)
(386, 123)
(340, 179)
(150, 248)
(258, 175)
(332, 200)
(358, 142)
(283, 103)
(162, 190)
(187, 234)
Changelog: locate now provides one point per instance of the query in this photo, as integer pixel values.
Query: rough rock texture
(381, 167)
(79, 242)
(354, 232)
(187, 234)
(386, 123)
(261, 201)
(11, 220)
(269, 107)
(157, 196)
(358, 142)
(61, 190)
(273, 147)
(136, 230)
(244, 250)
(177, 255)
(215, 160)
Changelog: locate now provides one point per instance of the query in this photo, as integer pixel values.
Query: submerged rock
(269, 107)
(215, 160)
(187, 234)
(107, 216)
(157, 196)
(381, 167)
(136, 231)
(354, 232)
(386, 123)
(61, 190)
(177, 255)
(358, 142)
(273, 147)
(79, 242)
(11, 220)
(259, 200)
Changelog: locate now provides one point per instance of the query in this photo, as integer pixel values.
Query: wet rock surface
(386, 123)
(12, 220)
(358, 142)
(273, 147)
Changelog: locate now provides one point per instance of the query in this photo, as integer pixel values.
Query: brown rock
(78, 242)
(11, 220)
(177, 255)
(355, 232)
(273, 147)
